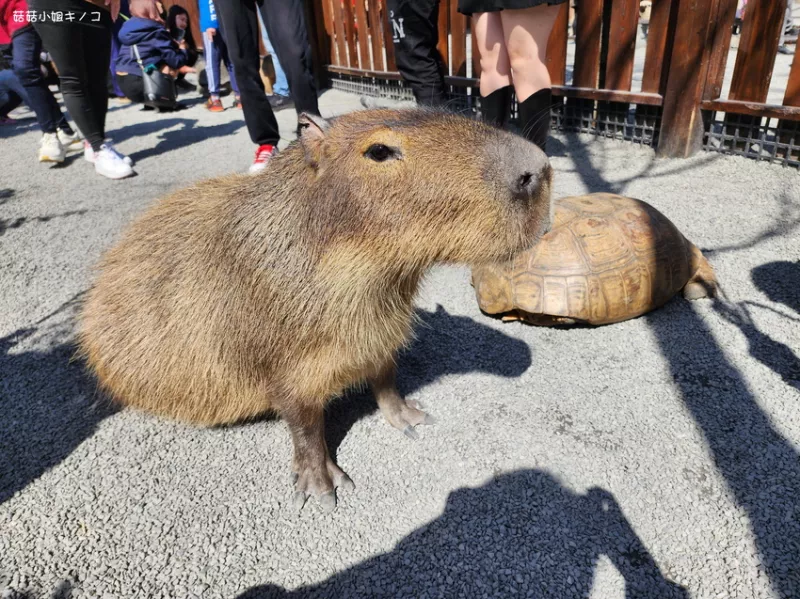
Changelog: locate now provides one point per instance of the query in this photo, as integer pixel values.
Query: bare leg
(495, 67)
(401, 414)
(703, 282)
(526, 32)
(314, 471)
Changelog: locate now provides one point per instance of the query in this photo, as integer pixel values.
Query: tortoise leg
(401, 414)
(703, 283)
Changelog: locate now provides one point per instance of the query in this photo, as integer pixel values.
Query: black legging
(286, 27)
(81, 52)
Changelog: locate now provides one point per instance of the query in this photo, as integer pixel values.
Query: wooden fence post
(681, 122)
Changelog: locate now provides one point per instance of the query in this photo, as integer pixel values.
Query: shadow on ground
(522, 532)
(445, 344)
(47, 409)
(760, 466)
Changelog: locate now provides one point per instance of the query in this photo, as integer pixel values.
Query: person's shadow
(443, 344)
(522, 532)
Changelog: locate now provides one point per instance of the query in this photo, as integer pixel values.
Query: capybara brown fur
(276, 292)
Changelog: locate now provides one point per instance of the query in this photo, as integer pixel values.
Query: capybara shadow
(443, 344)
(243, 295)
(522, 531)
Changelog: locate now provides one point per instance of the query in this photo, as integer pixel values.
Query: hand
(144, 8)
(185, 70)
(183, 45)
(113, 6)
(210, 33)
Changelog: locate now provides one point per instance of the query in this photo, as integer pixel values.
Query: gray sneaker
(279, 102)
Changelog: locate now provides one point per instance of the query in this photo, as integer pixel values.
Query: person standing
(26, 46)
(80, 45)
(415, 34)
(286, 27)
(280, 91)
(512, 39)
(216, 51)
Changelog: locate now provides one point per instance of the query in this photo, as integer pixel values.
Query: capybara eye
(379, 153)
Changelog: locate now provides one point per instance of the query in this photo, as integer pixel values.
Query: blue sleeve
(208, 14)
(171, 55)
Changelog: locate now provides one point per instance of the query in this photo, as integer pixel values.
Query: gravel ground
(653, 458)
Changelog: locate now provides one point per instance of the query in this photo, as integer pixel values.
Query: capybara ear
(312, 132)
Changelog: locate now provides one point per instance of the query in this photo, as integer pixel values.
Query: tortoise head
(430, 185)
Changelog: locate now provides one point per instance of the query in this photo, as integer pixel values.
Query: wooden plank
(338, 25)
(350, 32)
(388, 38)
(608, 95)
(757, 50)
(557, 47)
(758, 109)
(681, 122)
(376, 34)
(327, 45)
(792, 97)
(362, 31)
(720, 41)
(587, 43)
(441, 45)
(476, 54)
(657, 32)
(392, 75)
(621, 44)
(458, 40)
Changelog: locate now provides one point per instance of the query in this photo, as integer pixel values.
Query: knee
(524, 60)
(27, 72)
(495, 63)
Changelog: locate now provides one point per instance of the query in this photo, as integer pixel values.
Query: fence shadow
(522, 531)
(444, 344)
(47, 410)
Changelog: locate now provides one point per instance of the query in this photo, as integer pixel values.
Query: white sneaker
(89, 153)
(70, 142)
(110, 164)
(51, 149)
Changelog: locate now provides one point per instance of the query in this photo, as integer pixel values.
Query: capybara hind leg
(401, 414)
(315, 473)
(703, 283)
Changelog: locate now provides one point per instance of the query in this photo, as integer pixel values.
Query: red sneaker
(263, 154)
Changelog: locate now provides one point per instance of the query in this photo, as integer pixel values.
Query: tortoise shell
(607, 258)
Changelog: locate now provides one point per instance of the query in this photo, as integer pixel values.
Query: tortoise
(607, 258)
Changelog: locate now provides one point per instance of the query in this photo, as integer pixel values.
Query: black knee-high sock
(534, 117)
(496, 107)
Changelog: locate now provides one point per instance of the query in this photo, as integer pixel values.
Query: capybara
(276, 292)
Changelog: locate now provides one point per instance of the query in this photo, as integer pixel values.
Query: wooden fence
(686, 54)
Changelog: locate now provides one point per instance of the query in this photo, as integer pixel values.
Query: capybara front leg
(314, 471)
(401, 414)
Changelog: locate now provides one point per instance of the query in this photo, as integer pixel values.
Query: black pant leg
(26, 47)
(98, 61)
(240, 23)
(415, 35)
(285, 21)
(132, 86)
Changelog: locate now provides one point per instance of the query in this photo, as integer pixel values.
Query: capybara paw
(319, 481)
(407, 414)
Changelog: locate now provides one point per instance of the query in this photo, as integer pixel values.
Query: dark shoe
(279, 102)
(534, 117)
(496, 107)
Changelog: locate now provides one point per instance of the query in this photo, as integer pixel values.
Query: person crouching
(147, 44)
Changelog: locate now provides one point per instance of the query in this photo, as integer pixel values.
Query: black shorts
(469, 7)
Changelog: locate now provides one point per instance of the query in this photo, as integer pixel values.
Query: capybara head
(429, 182)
